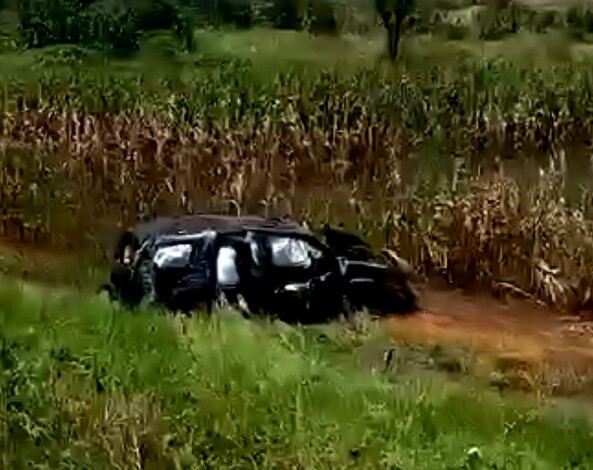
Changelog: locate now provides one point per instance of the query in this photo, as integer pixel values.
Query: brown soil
(550, 351)
(488, 324)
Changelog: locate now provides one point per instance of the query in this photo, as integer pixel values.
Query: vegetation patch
(86, 385)
(476, 170)
(470, 176)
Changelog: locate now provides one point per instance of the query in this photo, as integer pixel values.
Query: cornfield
(466, 172)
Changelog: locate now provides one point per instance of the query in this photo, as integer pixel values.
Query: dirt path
(491, 325)
(512, 335)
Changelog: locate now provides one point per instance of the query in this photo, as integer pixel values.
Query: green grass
(87, 386)
(524, 51)
(59, 269)
(273, 51)
(270, 51)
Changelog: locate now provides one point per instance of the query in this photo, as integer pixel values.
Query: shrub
(45, 23)
(157, 14)
(184, 30)
(107, 25)
(64, 54)
(352, 19)
(237, 12)
(320, 17)
(8, 41)
(287, 14)
(579, 19)
(111, 27)
(545, 21)
(456, 31)
(494, 23)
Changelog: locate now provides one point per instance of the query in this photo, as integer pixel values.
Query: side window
(258, 248)
(289, 252)
(202, 247)
(173, 256)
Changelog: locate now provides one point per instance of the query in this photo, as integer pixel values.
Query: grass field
(471, 157)
(86, 386)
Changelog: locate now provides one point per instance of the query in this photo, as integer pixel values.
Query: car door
(301, 270)
(184, 270)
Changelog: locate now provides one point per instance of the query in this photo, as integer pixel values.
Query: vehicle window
(226, 266)
(289, 252)
(173, 256)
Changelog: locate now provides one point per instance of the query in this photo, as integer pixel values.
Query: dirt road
(488, 324)
(536, 346)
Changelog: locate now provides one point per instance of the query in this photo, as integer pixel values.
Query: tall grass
(86, 386)
(392, 153)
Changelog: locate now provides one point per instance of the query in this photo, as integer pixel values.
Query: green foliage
(288, 14)
(456, 31)
(395, 7)
(106, 24)
(157, 14)
(110, 27)
(492, 25)
(321, 17)
(579, 20)
(9, 41)
(62, 54)
(237, 12)
(580, 17)
(45, 23)
(84, 385)
(184, 28)
(495, 21)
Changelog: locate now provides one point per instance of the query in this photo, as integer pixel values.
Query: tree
(393, 13)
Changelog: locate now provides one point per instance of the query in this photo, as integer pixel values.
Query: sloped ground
(518, 344)
(510, 343)
(86, 386)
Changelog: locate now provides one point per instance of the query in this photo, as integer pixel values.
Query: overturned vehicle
(256, 265)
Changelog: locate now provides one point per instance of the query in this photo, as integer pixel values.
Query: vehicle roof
(187, 224)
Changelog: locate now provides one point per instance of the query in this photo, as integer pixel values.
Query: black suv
(258, 265)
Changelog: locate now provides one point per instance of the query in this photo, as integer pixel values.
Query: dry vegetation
(425, 161)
